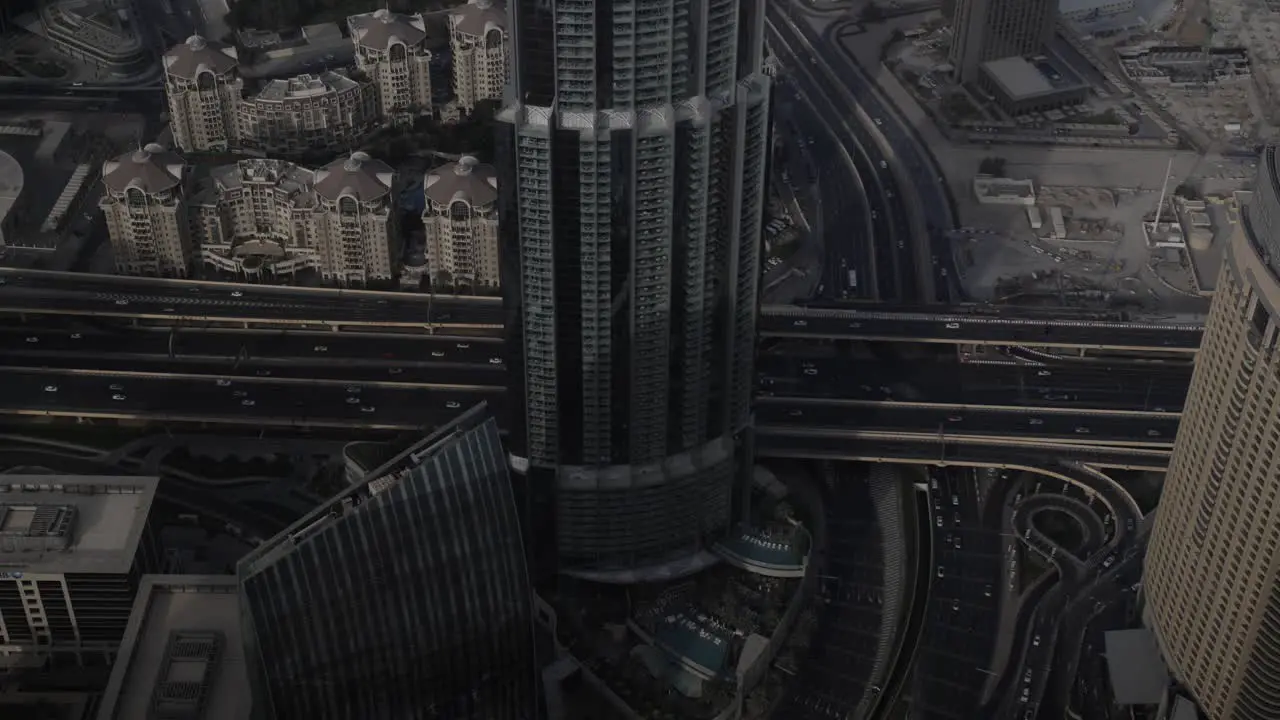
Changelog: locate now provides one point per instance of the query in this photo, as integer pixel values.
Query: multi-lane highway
(1086, 427)
(955, 328)
(1100, 385)
(35, 292)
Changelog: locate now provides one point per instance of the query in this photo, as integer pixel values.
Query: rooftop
(305, 86)
(151, 169)
(72, 523)
(182, 656)
(478, 17)
(1018, 77)
(1138, 674)
(467, 180)
(198, 55)
(381, 29)
(358, 176)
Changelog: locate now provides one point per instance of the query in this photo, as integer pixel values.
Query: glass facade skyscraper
(632, 153)
(405, 596)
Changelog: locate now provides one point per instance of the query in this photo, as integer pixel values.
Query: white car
(118, 396)
(321, 348)
(495, 361)
(353, 388)
(1035, 641)
(368, 409)
(939, 521)
(1035, 421)
(51, 388)
(453, 404)
(247, 403)
(33, 339)
(122, 301)
(884, 165)
(879, 121)
(810, 371)
(953, 326)
(1043, 373)
(437, 354)
(462, 346)
(237, 293)
(223, 382)
(353, 400)
(76, 336)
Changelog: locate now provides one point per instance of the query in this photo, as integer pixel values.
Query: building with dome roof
(144, 203)
(460, 223)
(203, 86)
(478, 39)
(391, 49)
(262, 217)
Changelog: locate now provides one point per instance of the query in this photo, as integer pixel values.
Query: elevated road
(1157, 387)
(966, 329)
(30, 292)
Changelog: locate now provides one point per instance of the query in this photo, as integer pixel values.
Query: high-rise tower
(983, 30)
(633, 148)
(1212, 595)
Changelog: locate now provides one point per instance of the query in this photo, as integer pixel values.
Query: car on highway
(1043, 373)
(51, 388)
(1153, 433)
(879, 121)
(321, 348)
(118, 397)
(1035, 421)
(492, 361)
(955, 500)
(116, 386)
(237, 293)
(453, 404)
(353, 400)
(939, 521)
(1035, 642)
(122, 301)
(953, 326)
(262, 373)
(368, 409)
(33, 339)
(884, 165)
(247, 403)
(955, 418)
(1082, 430)
(795, 413)
(438, 354)
(76, 336)
(799, 323)
(223, 382)
(810, 371)
(463, 346)
(395, 371)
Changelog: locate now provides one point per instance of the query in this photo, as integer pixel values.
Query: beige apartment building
(478, 39)
(327, 111)
(203, 88)
(1212, 596)
(144, 203)
(272, 217)
(391, 49)
(460, 222)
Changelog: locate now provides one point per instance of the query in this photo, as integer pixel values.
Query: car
(240, 393)
(118, 396)
(76, 336)
(955, 418)
(368, 409)
(262, 373)
(986, 590)
(957, 542)
(1082, 430)
(955, 501)
(1027, 676)
(321, 348)
(953, 326)
(799, 323)
(810, 371)
(237, 293)
(884, 165)
(939, 521)
(495, 361)
(879, 121)
(956, 519)
(437, 354)
(247, 403)
(453, 404)
(1109, 561)
(116, 386)
(462, 346)
(955, 604)
(1035, 642)
(795, 413)
(51, 388)
(122, 301)
(1043, 373)
(353, 400)
(1035, 421)
(353, 388)
(1153, 433)
(223, 382)
(33, 339)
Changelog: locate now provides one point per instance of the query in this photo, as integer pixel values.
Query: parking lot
(834, 675)
(963, 613)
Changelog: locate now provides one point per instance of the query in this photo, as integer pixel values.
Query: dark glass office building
(632, 153)
(404, 597)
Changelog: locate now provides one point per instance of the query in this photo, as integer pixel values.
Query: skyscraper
(405, 596)
(633, 148)
(983, 30)
(1212, 596)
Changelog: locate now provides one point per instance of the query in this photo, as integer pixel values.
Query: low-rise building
(1020, 86)
(460, 223)
(391, 49)
(203, 87)
(1004, 191)
(329, 111)
(263, 216)
(104, 33)
(144, 203)
(478, 39)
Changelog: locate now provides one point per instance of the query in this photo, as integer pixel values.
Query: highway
(1099, 385)
(241, 401)
(1155, 430)
(320, 347)
(795, 322)
(36, 292)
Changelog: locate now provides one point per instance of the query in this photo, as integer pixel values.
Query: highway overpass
(786, 321)
(184, 302)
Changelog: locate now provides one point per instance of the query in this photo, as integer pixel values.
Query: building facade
(73, 550)
(406, 596)
(391, 49)
(203, 88)
(478, 40)
(104, 33)
(144, 201)
(264, 216)
(330, 111)
(633, 144)
(983, 30)
(1212, 575)
(460, 223)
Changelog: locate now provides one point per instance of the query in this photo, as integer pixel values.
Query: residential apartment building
(145, 205)
(405, 596)
(633, 146)
(1212, 576)
(983, 30)
(72, 551)
(391, 49)
(329, 111)
(460, 222)
(103, 33)
(478, 39)
(203, 88)
(272, 217)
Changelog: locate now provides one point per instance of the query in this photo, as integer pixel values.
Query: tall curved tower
(633, 144)
(1211, 571)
